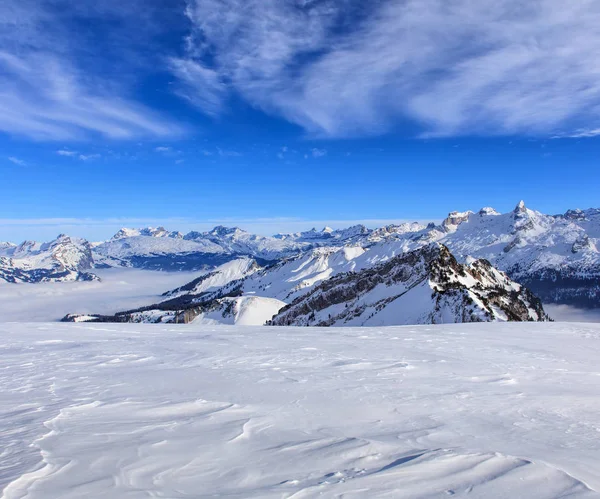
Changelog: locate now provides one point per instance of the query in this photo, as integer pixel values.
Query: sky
(281, 115)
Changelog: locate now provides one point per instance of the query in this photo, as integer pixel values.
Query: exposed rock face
(424, 286)
(454, 219)
(556, 256)
(64, 259)
(583, 243)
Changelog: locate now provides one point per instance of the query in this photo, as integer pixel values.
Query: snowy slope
(241, 311)
(63, 259)
(211, 295)
(484, 411)
(221, 276)
(425, 286)
(326, 287)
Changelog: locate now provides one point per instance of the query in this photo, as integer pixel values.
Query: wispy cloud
(66, 152)
(579, 134)
(17, 161)
(74, 154)
(454, 67)
(46, 94)
(318, 153)
(199, 85)
(162, 149)
(224, 153)
(88, 157)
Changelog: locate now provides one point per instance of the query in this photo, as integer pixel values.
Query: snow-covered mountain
(424, 286)
(556, 256)
(333, 286)
(159, 249)
(63, 259)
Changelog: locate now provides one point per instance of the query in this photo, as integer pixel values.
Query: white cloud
(46, 93)
(162, 149)
(451, 66)
(88, 157)
(75, 154)
(66, 152)
(199, 85)
(228, 154)
(17, 161)
(580, 134)
(318, 153)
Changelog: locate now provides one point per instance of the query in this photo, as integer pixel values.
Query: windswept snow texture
(130, 411)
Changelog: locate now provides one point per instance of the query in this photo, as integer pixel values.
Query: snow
(221, 276)
(480, 411)
(256, 310)
(296, 276)
(242, 311)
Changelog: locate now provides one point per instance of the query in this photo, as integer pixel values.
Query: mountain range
(554, 256)
(422, 286)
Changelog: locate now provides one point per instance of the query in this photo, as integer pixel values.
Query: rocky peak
(576, 214)
(222, 231)
(583, 243)
(427, 285)
(487, 211)
(125, 232)
(454, 219)
(520, 208)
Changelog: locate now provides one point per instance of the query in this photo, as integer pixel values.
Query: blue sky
(279, 115)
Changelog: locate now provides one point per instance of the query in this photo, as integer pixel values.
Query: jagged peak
(575, 214)
(221, 230)
(487, 210)
(454, 219)
(520, 208)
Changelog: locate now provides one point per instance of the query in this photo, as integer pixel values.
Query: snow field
(131, 411)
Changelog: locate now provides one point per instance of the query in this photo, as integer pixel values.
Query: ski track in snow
(138, 411)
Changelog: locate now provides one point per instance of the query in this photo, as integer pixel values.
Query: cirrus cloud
(51, 87)
(446, 67)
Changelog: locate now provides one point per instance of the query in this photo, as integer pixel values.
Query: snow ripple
(137, 412)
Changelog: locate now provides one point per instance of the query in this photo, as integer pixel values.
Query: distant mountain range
(555, 256)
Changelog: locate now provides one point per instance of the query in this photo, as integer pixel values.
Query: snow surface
(478, 411)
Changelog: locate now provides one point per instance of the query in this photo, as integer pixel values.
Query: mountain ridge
(557, 256)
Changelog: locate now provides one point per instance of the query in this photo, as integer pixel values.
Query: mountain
(211, 281)
(63, 259)
(556, 256)
(159, 249)
(327, 236)
(424, 286)
(220, 294)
